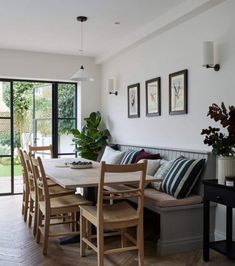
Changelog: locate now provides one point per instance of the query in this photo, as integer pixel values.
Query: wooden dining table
(60, 172)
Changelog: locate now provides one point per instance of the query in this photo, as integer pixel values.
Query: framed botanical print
(153, 97)
(133, 97)
(178, 90)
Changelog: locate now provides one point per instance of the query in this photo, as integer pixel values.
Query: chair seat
(69, 201)
(114, 215)
(58, 191)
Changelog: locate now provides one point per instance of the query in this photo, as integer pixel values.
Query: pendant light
(81, 74)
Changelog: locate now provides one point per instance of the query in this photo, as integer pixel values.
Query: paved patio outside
(5, 184)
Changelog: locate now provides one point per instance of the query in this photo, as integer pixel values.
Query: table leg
(206, 230)
(229, 224)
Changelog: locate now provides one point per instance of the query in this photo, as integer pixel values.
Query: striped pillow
(182, 177)
(129, 157)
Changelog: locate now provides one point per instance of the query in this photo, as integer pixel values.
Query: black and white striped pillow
(129, 157)
(182, 177)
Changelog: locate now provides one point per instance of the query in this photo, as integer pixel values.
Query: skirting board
(180, 245)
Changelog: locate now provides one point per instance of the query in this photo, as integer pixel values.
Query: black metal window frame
(54, 121)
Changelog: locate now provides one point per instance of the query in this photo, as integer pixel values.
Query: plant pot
(225, 167)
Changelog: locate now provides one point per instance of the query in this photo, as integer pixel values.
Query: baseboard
(179, 245)
(219, 235)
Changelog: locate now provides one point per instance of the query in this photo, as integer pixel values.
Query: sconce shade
(112, 86)
(208, 53)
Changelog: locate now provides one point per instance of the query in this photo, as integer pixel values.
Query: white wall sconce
(112, 86)
(208, 56)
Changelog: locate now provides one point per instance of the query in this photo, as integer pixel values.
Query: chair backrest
(40, 180)
(24, 168)
(126, 192)
(33, 150)
(31, 180)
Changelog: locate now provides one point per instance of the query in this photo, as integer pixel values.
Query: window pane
(5, 137)
(66, 100)
(65, 144)
(43, 102)
(5, 99)
(44, 132)
(5, 175)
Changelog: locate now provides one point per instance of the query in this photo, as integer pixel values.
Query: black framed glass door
(36, 113)
(6, 138)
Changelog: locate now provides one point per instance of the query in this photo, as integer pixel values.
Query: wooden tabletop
(59, 171)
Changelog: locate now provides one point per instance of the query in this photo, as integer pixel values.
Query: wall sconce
(208, 56)
(112, 86)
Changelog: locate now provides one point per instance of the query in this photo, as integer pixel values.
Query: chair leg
(123, 237)
(140, 243)
(100, 246)
(82, 234)
(46, 233)
(31, 203)
(26, 206)
(23, 204)
(35, 219)
(88, 232)
(39, 223)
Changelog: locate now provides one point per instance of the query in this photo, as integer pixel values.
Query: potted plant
(90, 140)
(222, 141)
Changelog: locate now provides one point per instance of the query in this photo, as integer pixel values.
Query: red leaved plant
(222, 144)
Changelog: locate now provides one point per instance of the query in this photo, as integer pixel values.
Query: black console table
(224, 195)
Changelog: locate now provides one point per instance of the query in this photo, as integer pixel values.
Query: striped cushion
(182, 177)
(129, 157)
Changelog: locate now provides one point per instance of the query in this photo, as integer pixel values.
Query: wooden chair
(119, 216)
(54, 191)
(25, 200)
(38, 150)
(33, 150)
(49, 208)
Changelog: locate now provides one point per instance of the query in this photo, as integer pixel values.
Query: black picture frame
(153, 97)
(178, 92)
(133, 100)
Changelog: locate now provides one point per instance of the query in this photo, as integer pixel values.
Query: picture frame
(153, 97)
(133, 100)
(178, 92)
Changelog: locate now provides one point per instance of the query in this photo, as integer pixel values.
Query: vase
(225, 167)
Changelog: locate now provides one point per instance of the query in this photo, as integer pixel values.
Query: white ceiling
(51, 26)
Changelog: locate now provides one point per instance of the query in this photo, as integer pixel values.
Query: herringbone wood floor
(18, 247)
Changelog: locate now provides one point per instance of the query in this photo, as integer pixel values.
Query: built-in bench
(181, 220)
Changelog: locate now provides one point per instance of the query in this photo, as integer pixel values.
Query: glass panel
(5, 99)
(66, 100)
(5, 175)
(65, 144)
(5, 137)
(43, 100)
(44, 130)
(18, 179)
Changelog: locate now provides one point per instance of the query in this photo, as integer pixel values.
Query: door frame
(54, 120)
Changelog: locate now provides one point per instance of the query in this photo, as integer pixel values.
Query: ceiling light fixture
(81, 74)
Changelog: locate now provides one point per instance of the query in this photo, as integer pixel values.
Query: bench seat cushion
(160, 199)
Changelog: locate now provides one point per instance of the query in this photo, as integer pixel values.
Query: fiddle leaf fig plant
(90, 140)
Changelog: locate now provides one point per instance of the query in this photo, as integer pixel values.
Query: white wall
(43, 66)
(174, 50)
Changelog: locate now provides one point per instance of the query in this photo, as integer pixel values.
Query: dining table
(61, 172)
